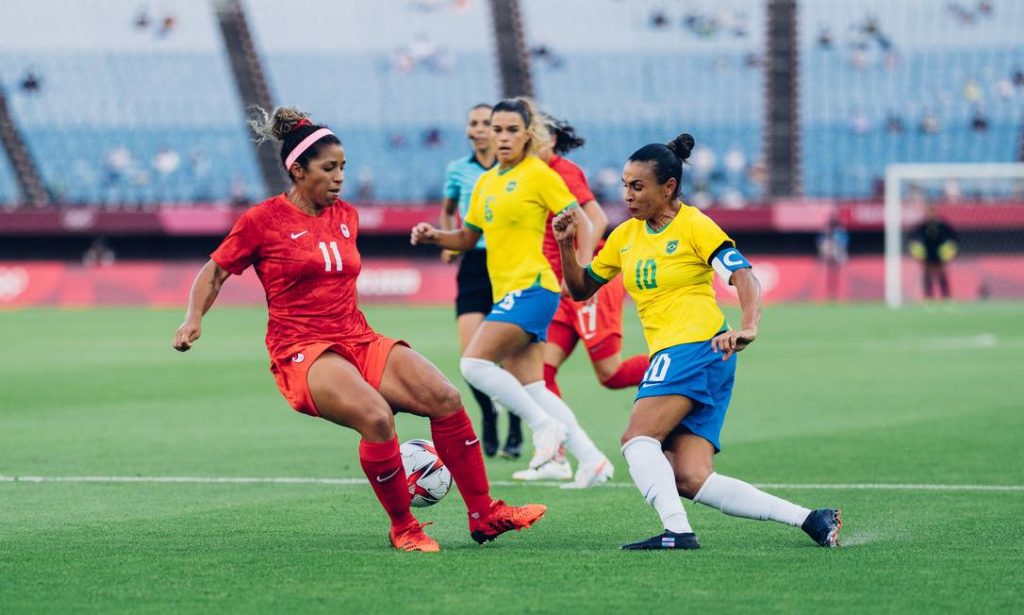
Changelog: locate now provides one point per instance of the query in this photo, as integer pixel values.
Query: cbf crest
(510, 186)
(671, 247)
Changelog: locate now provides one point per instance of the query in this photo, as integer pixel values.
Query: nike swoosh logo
(472, 442)
(297, 235)
(626, 248)
(384, 479)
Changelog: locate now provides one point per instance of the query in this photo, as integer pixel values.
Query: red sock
(382, 464)
(549, 379)
(630, 373)
(459, 449)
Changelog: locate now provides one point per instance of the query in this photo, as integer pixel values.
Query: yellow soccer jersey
(511, 209)
(668, 276)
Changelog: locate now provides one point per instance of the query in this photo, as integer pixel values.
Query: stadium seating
(394, 81)
(626, 80)
(883, 69)
(135, 104)
(127, 113)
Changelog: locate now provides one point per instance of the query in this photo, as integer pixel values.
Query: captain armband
(727, 261)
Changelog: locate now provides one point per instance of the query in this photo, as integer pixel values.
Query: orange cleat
(413, 538)
(503, 518)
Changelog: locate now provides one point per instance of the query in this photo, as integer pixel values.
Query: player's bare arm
(749, 290)
(587, 237)
(448, 221)
(577, 281)
(599, 224)
(461, 239)
(205, 289)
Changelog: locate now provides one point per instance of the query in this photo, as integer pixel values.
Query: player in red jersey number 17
(326, 359)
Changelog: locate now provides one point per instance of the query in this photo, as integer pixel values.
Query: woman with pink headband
(326, 359)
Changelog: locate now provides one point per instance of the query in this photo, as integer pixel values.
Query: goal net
(954, 231)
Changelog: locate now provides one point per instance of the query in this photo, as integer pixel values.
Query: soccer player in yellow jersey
(510, 207)
(668, 254)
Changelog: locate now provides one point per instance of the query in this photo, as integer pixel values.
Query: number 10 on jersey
(327, 257)
(646, 274)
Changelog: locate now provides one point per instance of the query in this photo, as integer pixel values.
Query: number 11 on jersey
(327, 257)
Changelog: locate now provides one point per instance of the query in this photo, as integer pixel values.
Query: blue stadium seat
(915, 61)
(393, 81)
(113, 95)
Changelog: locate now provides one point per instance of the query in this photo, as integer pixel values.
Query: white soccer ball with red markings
(428, 478)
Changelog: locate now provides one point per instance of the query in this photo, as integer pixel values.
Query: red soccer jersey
(308, 266)
(574, 178)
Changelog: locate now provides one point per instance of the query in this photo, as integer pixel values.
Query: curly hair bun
(682, 145)
(278, 125)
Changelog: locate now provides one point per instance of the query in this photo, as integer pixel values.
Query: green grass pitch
(832, 403)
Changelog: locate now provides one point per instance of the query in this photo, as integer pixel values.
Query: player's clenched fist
(564, 226)
(186, 334)
(423, 233)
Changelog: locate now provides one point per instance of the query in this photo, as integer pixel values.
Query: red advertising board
(150, 283)
(398, 218)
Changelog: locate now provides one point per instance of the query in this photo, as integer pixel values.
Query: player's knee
(475, 369)
(604, 374)
(446, 399)
(689, 482)
(631, 433)
(378, 424)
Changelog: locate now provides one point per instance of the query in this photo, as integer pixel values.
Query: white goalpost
(898, 177)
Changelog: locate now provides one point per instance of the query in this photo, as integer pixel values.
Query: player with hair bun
(510, 207)
(326, 359)
(669, 253)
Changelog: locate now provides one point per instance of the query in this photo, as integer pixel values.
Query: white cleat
(593, 475)
(552, 470)
(547, 443)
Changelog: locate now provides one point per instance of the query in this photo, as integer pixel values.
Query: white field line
(242, 480)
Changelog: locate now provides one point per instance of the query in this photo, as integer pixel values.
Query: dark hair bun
(682, 145)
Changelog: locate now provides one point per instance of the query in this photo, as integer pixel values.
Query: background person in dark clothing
(934, 243)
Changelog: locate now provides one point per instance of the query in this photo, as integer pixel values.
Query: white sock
(657, 482)
(739, 499)
(577, 440)
(503, 386)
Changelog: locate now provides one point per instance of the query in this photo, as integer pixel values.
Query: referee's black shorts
(474, 295)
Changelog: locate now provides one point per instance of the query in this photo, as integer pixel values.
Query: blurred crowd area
(129, 104)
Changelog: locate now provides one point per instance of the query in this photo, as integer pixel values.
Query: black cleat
(514, 443)
(666, 540)
(490, 434)
(823, 526)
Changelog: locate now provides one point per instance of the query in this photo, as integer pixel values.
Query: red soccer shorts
(597, 321)
(290, 371)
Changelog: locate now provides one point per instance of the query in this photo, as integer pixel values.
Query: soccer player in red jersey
(326, 359)
(597, 321)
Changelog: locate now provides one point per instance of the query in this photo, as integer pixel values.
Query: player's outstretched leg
(739, 499)
(594, 468)
(548, 433)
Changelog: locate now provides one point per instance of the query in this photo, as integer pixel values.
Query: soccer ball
(428, 478)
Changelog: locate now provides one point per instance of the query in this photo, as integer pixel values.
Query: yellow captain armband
(916, 250)
(947, 251)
